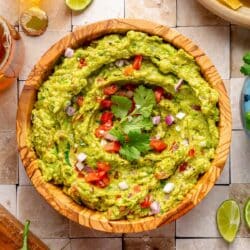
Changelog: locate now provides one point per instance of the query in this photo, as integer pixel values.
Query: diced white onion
(156, 120)
(123, 185)
(177, 128)
(180, 115)
(203, 143)
(81, 157)
(168, 187)
(178, 85)
(138, 106)
(79, 166)
(103, 142)
(185, 142)
(158, 137)
(69, 52)
(110, 137)
(155, 207)
(119, 63)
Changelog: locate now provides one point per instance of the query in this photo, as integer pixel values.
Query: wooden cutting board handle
(11, 232)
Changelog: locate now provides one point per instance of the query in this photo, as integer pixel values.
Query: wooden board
(11, 233)
(240, 16)
(54, 195)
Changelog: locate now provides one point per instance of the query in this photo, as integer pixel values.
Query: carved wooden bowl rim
(54, 195)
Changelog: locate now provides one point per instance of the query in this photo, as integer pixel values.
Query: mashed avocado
(126, 125)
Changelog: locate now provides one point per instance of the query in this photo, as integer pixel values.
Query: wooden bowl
(54, 195)
(240, 16)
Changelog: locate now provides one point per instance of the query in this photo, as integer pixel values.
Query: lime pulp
(77, 5)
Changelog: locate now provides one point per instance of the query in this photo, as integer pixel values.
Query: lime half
(247, 213)
(77, 5)
(228, 219)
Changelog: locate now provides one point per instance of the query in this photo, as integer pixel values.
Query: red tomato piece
(130, 86)
(112, 147)
(191, 152)
(137, 189)
(132, 107)
(147, 202)
(137, 62)
(110, 90)
(103, 166)
(158, 145)
(106, 103)
(101, 130)
(79, 100)
(92, 177)
(159, 93)
(183, 166)
(82, 63)
(107, 116)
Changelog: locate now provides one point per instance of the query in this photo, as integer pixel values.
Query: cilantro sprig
(245, 69)
(130, 130)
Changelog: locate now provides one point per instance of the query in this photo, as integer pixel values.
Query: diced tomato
(107, 116)
(121, 93)
(100, 131)
(80, 175)
(158, 145)
(174, 146)
(147, 202)
(112, 147)
(103, 166)
(191, 152)
(106, 103)
(137, 62)
(110, 90)
(159, 93)
(91, 177)
(183, 166)
(79, 100)
(168, 96)
(137, 189)
(128, 70)
(130, 86)
(82, 63)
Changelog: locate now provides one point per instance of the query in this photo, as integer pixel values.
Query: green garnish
(245, 69)
(25, 235)
(134, 124)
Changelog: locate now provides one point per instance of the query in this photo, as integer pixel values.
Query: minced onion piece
(156, 120)
(155, 207)
(120, 63)
(203, 143)
(158, 137)
(185, 142)
(169, 119)
(79, 166)
(103, 142)
(168, 187)
(110, 137)
(123, 185)
(70, 111)
(178, 85)
(81, 157)
(180, 115)
(178, 128)
(138, 106)
(69, 52)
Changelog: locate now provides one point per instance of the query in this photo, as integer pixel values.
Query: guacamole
(126, 125)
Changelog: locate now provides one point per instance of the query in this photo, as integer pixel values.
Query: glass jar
(245, 105)
(11, 54)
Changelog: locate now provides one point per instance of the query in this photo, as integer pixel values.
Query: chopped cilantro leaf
(130, 153)
(117, 132)
(145, 100)
(120, 106)
(137, 123)
(139, 141)
(246, 58)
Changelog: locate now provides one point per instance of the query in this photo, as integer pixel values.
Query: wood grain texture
(11, 233)
(64, 204)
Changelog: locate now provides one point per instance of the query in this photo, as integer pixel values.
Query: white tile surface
(240, 158)
(57, 244)
(160, 11)
(236, 85)
(35, 47)
(8, 197)
(99, 10)
(201, 244)
(192, 13)
(207, 39)
(224, 178)
(240, 244)
(193, 223)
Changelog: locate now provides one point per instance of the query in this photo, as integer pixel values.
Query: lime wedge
(228, 219)
(77, 5)
(247, 213)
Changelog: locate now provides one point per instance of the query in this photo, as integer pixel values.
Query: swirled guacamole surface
(125, 125)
